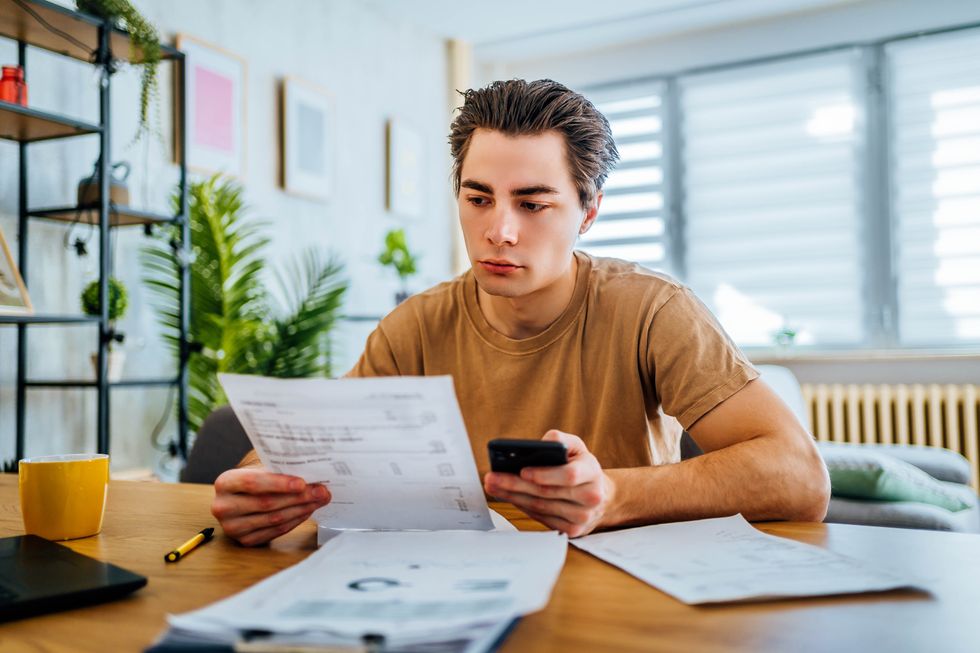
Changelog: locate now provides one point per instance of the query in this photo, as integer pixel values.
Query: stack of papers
(393, 451)
(726, 559)
(460, 589)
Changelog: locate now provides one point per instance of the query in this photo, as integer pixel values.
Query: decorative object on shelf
(89, 187)
(404, 170)
(397, 255)
(307, 139)
(118, 301)
(214, 85)
(13, 294)
(238, 324)
(145, 46)
(13, 88)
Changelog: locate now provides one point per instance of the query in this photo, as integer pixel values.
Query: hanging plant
(144, 48)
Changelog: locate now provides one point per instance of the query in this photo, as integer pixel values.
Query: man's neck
(527, 316)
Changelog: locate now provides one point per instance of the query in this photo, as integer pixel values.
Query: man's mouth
(499, 266)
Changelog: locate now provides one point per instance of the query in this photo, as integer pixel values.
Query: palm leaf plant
(237, 324)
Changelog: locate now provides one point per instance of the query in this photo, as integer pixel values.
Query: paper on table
(726, 559)
(393, 451)
(397, 584)
(324, 533)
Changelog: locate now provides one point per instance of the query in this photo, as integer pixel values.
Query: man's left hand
(572, 498)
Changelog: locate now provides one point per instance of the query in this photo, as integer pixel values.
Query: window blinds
(631, 223)
(934, 93)
(773, 180)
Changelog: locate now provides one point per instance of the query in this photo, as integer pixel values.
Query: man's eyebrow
(477, 186)
(541, 189)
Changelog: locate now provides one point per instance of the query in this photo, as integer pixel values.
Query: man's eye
(478, 201)
(533, 207)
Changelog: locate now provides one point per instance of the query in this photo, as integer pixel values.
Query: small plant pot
(116, 361)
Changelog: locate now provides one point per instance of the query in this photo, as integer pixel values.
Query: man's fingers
(579, 471)
(573, 443)
(242, 527)
(567, 510)
(499, 481)
(236, 505)
(257, 481)
(255, 538)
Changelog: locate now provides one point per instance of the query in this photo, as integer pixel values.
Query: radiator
(932, 415)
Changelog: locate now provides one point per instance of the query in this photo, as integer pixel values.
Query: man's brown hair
(520, 108)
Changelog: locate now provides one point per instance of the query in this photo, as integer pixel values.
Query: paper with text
(393, 451)
(726, 559)
(398, 584)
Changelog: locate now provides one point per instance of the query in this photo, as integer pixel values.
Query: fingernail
(319, 493)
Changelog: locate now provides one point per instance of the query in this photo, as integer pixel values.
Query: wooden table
(594, 607)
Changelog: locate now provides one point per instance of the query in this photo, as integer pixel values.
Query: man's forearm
(759, 478)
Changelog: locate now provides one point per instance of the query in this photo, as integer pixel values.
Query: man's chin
(499, 287)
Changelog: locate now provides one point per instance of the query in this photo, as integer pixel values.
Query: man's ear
(591, 214)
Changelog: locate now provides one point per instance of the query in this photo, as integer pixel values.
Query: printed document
(419, 586)
(393, 451)
(726, 559)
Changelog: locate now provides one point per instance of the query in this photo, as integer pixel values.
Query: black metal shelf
(42, 24)
(48, 319)
(92, 383)
(119, 216)
(77, 36)
(27, 125)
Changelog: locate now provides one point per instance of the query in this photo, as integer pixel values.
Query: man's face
(519, 210)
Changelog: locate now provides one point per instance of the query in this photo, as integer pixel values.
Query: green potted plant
(397, 255)
(118, 301)
(239, 322)
(145, 47)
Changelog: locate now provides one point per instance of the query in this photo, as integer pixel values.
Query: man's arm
(759, 461)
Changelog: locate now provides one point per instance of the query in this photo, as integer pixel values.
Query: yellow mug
(63, 497)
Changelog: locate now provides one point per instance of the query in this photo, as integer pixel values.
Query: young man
(543, 341)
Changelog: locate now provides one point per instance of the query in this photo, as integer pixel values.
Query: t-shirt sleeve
(693, 363)
(377, 359)
(394, 347)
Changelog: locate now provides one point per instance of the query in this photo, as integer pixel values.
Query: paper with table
(726, 559)
(410, 587)
(393, 451)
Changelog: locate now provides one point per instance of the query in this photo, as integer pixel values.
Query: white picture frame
(215, 84)
(307, 138)
(14, 299)
(405, 169)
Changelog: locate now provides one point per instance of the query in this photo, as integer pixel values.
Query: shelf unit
(42, 24)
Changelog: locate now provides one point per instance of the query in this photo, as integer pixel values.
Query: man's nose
(503, 227)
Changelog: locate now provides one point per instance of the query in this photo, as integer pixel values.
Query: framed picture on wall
(14, 299)
(405, 169)
(214, 86)
(307, 139)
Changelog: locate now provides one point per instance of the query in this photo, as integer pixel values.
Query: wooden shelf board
(47, 319)
(27, 125)
(19, 24)
(119, 216)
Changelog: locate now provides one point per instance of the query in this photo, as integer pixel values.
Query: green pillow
(862, 474)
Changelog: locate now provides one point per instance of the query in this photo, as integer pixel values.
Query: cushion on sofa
(861, 473)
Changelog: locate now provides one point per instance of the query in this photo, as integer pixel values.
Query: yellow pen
(189, 545)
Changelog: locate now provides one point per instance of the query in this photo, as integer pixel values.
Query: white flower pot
(117, 359)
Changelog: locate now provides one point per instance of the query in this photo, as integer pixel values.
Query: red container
(13, 88)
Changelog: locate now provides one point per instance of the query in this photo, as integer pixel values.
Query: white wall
(374, 67)
(857, 22)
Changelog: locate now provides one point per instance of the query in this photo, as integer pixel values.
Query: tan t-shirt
(633, 358)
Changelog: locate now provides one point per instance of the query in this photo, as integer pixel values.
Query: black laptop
(38, 576)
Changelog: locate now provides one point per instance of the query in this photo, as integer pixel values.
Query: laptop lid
(38, 576)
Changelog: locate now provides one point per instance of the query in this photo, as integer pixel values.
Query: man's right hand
(254, 506)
